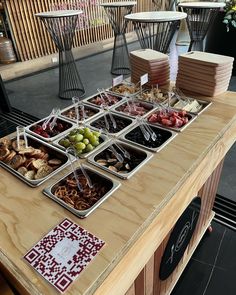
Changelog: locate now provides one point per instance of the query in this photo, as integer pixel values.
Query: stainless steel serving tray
(83, 213)
(115, 109)
(115, 115)
(88, 100)
(129, 148)
(204, 103)
(138, 96)
(56, 153)
(104, 138)
(191, 117)
(157, 149)
(111, 90)
(50, 139)
(97, 111)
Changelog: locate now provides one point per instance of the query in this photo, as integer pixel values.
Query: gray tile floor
(212, 267)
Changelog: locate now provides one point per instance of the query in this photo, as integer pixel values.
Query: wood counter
(134, 222)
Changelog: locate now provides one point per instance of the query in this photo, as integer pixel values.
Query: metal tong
(53, 116)
(21, 130)
(71, 151)
(148, 133)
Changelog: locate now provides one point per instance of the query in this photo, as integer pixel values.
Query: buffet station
(112, 194)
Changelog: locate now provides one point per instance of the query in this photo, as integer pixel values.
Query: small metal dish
(149, 107)
(103, 138)
(146, 96)
(94, 109)
(205, 104)
(53, 153)
(191, 118)
(90, 100)
(128, 121)
(118, 89)
(111, 184)
(168, 134)
(144, 157)
(29, 129)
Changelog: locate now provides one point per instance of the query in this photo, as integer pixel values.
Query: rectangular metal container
(157, 149)
(35, 142)
(104, 138)
(149, 104)
(83, 213)
(146, 91)
(114, 115)
(129, 148)
(97, 111)
(112, 90)
(204, 103)
(88, 100)
(49, 140)
(191, 117)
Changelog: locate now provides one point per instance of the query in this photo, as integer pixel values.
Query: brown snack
(16, 161)
(43, 171)
(22, 170)
(30, 174)
(54, 162)
(38, 163)
(45, 156)
(4, 152)
(21, 145)
(9, 157)
(5, 141)
(26, 151)
(37, 153)
(28, 162)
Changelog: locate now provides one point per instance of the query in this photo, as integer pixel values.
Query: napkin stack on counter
(204, 73)
(152, 62)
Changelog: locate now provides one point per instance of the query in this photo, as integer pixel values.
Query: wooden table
(135, 222)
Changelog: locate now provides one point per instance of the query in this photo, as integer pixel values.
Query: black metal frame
(120, 57)
(5, 106)
(62, 31)
(155, 35)
(199, 20)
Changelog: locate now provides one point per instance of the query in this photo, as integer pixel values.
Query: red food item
(172, 118)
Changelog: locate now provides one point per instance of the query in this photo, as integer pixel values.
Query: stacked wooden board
(152, 62)
(204, 73)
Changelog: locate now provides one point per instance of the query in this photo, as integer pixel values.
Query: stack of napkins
(152, 62)
(204, 73)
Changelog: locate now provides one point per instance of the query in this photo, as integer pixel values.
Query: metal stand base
(62, 31)
(69, 80)
(156, 36)
(199, 21)
(120, 57)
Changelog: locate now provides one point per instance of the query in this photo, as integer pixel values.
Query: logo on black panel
(180, 238)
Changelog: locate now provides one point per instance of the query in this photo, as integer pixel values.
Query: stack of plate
(204, 73)
(152, 62)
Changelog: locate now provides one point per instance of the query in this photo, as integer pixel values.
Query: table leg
(156, 36)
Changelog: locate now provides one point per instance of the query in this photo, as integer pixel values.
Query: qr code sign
(63, 254)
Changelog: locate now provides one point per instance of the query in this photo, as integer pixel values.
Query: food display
(136, 136)
(107, 159)
(154, 95)
(50, 131)
(34, 162)
(135, 108)
(125, 89)
(105, 100)
(83, 140)
(170, 118)
(121, 123)
(89, 112)
(83, 202)
(190, 106)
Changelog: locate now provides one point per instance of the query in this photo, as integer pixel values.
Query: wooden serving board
(149, 55)
(208, 59)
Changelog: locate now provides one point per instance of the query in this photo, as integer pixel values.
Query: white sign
(144, 79)
(117, 80)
